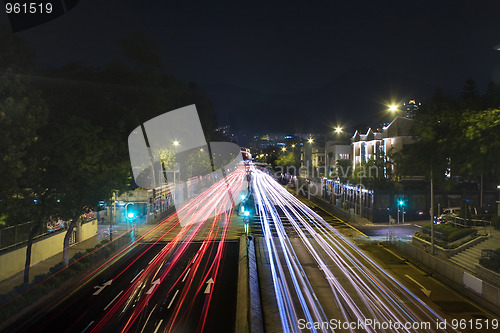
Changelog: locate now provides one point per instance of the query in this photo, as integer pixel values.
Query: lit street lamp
(498, 202)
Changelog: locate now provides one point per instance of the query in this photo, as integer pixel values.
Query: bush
(56, 268)
(39, 278)
(460, 233)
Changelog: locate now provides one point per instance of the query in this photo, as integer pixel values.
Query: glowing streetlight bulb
(393, 108)
(176, 143)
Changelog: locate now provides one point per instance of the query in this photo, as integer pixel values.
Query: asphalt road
(179, 301)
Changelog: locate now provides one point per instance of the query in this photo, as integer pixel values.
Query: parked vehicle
(448, 214)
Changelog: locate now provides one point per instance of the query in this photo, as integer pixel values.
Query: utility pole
(111, 220)
(432, 214)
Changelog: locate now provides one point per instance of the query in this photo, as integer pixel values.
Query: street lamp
(498, 202)
(393, 108)
(175, 143)
(338, 129)
(310, 140)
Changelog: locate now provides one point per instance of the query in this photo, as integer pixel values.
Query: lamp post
(113, 214)
(498, 202)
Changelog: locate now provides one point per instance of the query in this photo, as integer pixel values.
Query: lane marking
(107, 306)
(196, 256)
(101, 287)
(147, 320)
(86, 328)
(137, 275)
(158, 327)
(186, 274)
(391, 252)
(154, 258)
(172, 300)
(153, 285)
(426, 291)
(209, 284)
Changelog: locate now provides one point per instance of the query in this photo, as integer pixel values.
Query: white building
(392, 138)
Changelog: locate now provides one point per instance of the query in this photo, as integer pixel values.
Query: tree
(84, 167)
(15, 53)
(22, 113)
(288, 161)
(343, 168)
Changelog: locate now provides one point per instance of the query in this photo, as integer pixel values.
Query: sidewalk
(44, 266)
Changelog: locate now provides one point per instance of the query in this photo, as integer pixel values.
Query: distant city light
(338, 129)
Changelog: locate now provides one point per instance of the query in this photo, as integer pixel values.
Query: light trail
(217, 201)
(377, 295)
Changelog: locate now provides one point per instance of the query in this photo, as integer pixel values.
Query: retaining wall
(13, 262)
(484, 290)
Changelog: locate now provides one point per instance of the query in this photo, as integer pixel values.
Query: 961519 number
(28, 8)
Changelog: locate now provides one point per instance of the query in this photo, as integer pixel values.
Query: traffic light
(129, 212)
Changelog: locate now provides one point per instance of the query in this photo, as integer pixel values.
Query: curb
(248, 308)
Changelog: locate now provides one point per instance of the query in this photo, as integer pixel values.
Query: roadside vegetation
(446, 236)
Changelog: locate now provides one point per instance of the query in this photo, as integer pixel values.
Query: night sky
(336, 61)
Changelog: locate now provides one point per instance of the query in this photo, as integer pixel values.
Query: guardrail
(15, 235)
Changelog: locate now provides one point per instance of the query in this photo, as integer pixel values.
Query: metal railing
(18, 234)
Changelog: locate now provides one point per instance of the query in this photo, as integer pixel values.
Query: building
(392, 138)
(335, 151)
(410, 108)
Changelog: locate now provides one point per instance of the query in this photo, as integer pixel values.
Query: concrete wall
(89, 229)
(489, 292)
(12, 262)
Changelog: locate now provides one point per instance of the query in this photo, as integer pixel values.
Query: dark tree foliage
(66, 145)
(457, 137)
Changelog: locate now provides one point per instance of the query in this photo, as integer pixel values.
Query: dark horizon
(339, 62)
